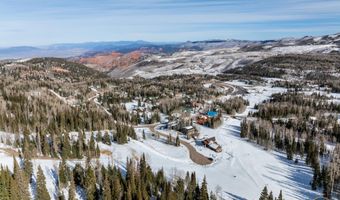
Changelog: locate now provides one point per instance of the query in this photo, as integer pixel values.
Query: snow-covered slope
(213, 61)
(219, 56)
(240, 171)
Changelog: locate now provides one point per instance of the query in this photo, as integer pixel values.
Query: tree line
(138, 181)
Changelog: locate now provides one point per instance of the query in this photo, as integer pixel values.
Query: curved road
(195, 156)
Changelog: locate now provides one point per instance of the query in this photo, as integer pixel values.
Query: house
(212, 114)
(202, 120)
(212, 144)
(189, 131)
(211, 119)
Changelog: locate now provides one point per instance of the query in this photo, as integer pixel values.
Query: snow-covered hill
(240, 171)
(213, 61)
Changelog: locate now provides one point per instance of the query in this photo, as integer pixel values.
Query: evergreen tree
(21, 181)
(72, 190)
(271, 197)
(42, 193)
(316, 177)
(327, 188)
(116, 189)
(107, 189)
(99, 137)
(177, 141)
(46, 146)
(179, 189)
(204, 195)
(92, 146)
(144, 137)
(63, 174)
(66, 147)
(264, 194)
(280, 196)
(212, 196)
(106, 138)
(28, 166)
(4, 192)
(97, 151)
(90, 183)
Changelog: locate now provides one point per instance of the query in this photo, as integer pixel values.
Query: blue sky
(40, 22)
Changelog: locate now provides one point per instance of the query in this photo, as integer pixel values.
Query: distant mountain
(129, 58)
(81, 49)
(218, 56)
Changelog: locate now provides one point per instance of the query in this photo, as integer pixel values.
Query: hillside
(207, 119)
(110, 61)
(220, 56)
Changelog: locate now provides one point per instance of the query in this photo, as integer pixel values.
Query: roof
(210, 139)
(212, 114)
(188, 127)
(214, 145)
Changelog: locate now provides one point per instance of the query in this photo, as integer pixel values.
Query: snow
(245, 165)
(317, 39)
(303, 48)
(65, 100)
(240, 171)
(256, 94)
(240, 165)
(207, 85)
(131, 105)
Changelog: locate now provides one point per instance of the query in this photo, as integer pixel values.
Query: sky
(42, 22)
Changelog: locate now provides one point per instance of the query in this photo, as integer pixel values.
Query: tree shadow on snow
(233, 196)
(298, 177)
(233, 129)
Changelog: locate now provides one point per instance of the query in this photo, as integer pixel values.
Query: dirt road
(195, 156)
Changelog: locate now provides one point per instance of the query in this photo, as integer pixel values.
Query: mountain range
(149, 59)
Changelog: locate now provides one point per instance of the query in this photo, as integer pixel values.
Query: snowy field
(241, 165)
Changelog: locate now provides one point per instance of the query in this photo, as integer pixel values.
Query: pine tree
(42, 193)
(46, 146)
(327, 188)
(66, 147)
(80, 145)
(179, 189)
(28, 166)
(280, 196)
(190, 194)
(13, 188)
(116, 188)
(92, 146)
(72, 190)
(107, 189)
(90, 183)
(271, 197)
(144, 136)
(64, 174)
(315, 178)
(264, 194)
(97, 151)
(4, 194)
(204, 190)
(212, 196)
(106, 138)
(21, 181)
(177, 141)
(99, 137)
